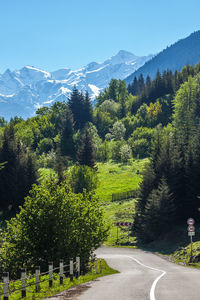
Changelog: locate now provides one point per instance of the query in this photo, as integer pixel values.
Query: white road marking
(152, 294)
(152, 291)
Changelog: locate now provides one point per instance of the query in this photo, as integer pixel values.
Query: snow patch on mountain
(25, 90)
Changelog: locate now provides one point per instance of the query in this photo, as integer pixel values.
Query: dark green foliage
(75, 104)
(19, 173)
(87, 108)
(81, 108)
(86, 155)
(159, 213)
(66, 140)
(175, 157)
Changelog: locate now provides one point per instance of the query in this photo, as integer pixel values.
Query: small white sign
(190, 221)
(191, 233)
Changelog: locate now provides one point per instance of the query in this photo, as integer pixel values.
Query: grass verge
(45, 291)
(119, 212)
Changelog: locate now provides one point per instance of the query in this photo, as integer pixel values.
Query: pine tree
(159, 212)
(85, 154)
(87, 109)
(18, 175)
(66, 142)
(76, 105)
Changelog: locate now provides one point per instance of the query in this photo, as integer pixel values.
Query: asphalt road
(143, 276)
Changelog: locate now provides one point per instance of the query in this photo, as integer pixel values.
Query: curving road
(143, 276)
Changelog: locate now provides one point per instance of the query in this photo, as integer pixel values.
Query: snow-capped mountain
(25, 90)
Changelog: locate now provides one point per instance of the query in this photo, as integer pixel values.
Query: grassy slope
(115, 178)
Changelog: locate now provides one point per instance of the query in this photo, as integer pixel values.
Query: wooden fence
(71, 270)
(68, 270)
(125, 195)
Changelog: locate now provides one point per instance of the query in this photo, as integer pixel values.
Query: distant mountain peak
(24, 90)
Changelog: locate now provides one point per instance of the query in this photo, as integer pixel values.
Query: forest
(48, 165)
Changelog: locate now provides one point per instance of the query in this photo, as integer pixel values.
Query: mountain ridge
(23, 91)
(185, 51)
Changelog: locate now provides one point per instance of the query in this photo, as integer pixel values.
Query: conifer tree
(85, 154)
(66, 142)
(18, 175)
(87, 109)
(76, 105)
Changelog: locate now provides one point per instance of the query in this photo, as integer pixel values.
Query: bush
(140, 148)
(82, 177)
(125, 152)
(54, 224)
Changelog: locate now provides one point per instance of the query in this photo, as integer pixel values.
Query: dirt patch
(73, 293)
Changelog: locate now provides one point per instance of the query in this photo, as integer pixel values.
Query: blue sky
(52, 34)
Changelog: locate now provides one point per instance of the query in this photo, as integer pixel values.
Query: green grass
(119, 212)
(183, 255)
(117, 178)
(45, 291)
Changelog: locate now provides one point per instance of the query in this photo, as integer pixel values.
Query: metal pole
(117, 234)
(191, 246)
(128, 233)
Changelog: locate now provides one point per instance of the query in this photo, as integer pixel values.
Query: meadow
(118, 178)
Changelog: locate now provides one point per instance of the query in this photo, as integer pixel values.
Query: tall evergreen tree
(87, 108)
(76, 105)
(66, 142)
(85, 154)
(18, 175)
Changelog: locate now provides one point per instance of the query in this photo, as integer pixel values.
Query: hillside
(184, 52)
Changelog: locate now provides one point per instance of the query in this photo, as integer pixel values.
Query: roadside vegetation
(45, 291)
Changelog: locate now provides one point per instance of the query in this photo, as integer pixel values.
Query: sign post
(191, 233)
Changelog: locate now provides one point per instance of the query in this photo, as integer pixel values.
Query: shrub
(54, 224)
(125, 152)
(82, 177)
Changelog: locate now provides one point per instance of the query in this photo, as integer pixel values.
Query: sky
(54, 34)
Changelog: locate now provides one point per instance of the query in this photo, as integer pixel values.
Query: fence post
(23, 279)
(77, 267)
(37, 279)
(96, 267)
(50, 274)
(61, 271)
(71, 269)
(100, 266)
(5, 286)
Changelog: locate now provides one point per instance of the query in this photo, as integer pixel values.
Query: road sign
(191, 233)
(191, 228)
(190, 221)
(124, 224)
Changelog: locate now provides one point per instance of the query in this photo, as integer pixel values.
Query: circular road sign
(190, 221)
(191, 228)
